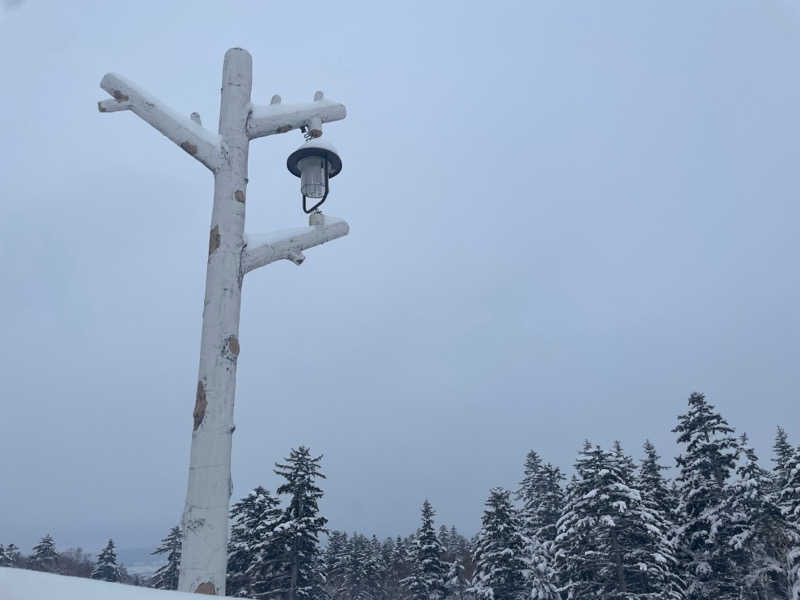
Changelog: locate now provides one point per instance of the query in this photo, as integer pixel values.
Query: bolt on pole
(230, 257)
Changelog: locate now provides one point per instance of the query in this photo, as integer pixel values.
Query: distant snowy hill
(139, 561)
(21, 584)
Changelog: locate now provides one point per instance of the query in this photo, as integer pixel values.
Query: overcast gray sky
(565, 217)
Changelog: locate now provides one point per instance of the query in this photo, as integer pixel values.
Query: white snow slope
(21, 584)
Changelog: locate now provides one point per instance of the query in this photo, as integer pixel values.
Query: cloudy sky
(565, 217)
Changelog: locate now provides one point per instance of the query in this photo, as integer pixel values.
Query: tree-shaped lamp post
(231, 255)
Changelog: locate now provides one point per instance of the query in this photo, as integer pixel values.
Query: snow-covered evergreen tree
(360, 570)
(789, 501)
(611, 543)
(388, 581)
(659, 501)
(297, 572)
(334, 561)
(166, 576)
(444, 537)
(456, 583)
(13, 555)
(252, 549)
(375, 570)
(358, 583)
(458, 562)
(5, 559)
(500, 569)
(541, 577)
(526, 493)
(459, 545)
(542, 499)
(783, 455)
(398, 568)
(44, 556)
(709, 456)
(758, 529)
(106, 568)
(652, 482)
(427, 579)
(581, 560)
(544, 516)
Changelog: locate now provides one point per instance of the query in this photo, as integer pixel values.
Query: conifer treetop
(106, 568)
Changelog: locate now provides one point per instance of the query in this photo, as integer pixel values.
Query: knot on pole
(200, 405)
(189, 147)
(206, 588)
(231, 347)
(213, 240)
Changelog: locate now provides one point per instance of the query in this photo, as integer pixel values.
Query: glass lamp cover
(312, 176)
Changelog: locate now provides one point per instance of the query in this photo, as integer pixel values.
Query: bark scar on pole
(200, 405)
(213, 240)
(206, 588)
(239, 195)
(189, 147)
(232, 345)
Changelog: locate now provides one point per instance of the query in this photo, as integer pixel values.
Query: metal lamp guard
(318, 204)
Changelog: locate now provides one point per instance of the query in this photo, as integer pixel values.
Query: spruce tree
(360, 569)
(444, 537)
(44, 556)
(106, 568)
(457, 562)
(252, 550)
(5, 559)
(375, 570)
(386, 551)
(456, 583)
(297, 574)
(652, 482)
(789, 502)
(12, 555)
(398, 568)
(166, 576)
(500, 567)
(358, 583)
(609, 543)
(580, 559)
(542, 519)
(541, 576)
(334, 560)
(427, 579)
(544, 516)
(709, 456)
(542, 498)
(458, 543)
(783, 455)
(758, 531)
(526, 493)
(389, 579)
(659, 575)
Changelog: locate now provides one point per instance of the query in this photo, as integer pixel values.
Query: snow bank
(21, 584)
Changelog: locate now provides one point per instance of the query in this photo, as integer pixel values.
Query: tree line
(74, 562)
(725, 527)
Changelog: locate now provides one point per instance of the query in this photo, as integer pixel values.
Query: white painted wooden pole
(230, 257)
(205, 516)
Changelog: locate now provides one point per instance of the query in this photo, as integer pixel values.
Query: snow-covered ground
(21, 584)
